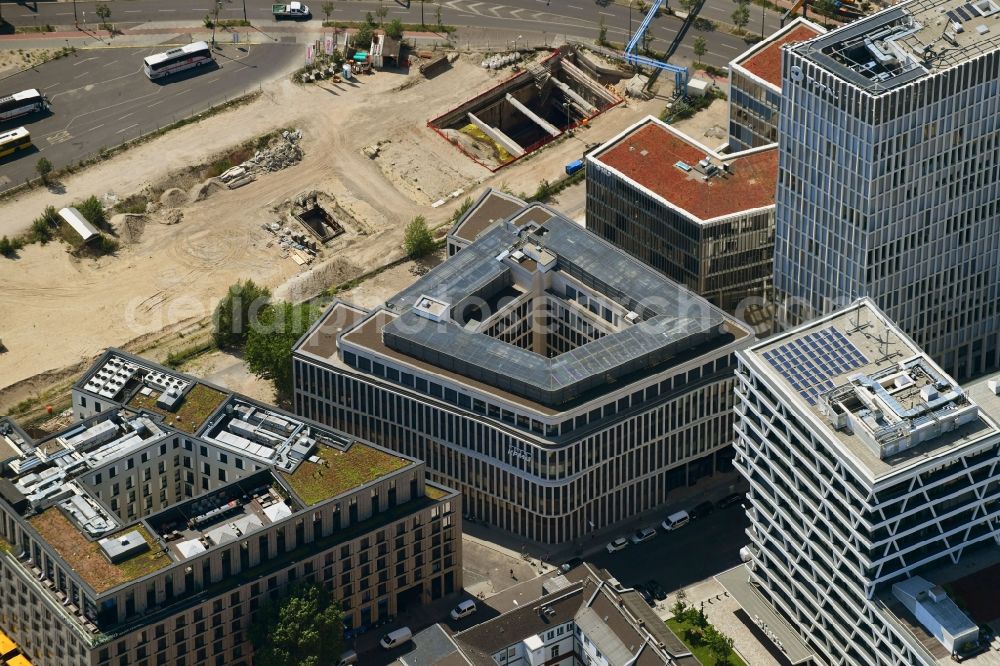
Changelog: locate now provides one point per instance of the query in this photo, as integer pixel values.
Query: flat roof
(321, 339)
(821, 356)
(670, 321)
(764, 58)
(907, 42)
(333, 471)
(491, 206)
(663, 161)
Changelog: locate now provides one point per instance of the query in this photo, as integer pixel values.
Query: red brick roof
(766, 63)
(649, 156)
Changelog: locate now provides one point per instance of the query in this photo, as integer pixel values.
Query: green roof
(339, 471)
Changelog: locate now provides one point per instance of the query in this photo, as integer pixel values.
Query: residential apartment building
(889, 176)
(868, 465)
(152, 531)
(703, 219)
(755, 87)
(559, 383)
(586, 618)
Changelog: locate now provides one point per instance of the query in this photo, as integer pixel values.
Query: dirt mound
(202, 191)
(174, 197)
(129, 226)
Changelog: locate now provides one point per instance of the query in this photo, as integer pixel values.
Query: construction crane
(631, 57)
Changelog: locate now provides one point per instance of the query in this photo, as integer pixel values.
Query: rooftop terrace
(872, 388)
(689, 176)
(907, 42)
(335, 471)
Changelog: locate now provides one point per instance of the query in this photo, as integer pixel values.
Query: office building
(491, 207)
(559, 383)
(755, 87)
(152, 530)
(889, 176)
(703, 219)
(871, 473)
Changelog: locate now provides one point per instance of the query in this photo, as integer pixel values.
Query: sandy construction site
(61, 311)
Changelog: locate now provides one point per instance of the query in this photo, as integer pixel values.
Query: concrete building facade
(560, 384)
(889, 176)
(153, 530)
(703, 219)
(867, 465)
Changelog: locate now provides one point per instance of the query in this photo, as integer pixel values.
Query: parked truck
(291, 10)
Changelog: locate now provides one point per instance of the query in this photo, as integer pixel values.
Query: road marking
(212, 80)
(59, 137)
(133, 11)
(77, 64)
(50, 86)
(79, 75)
(166, 10)
(64, 14)
(730, 47)
(574, 7)
(182, 92)
(127, 115)
(109, 64)
(125, 129)
(96, 128)
(155, 103)
(606, 13)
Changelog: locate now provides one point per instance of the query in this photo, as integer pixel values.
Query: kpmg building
(559, 383)
(889, 175)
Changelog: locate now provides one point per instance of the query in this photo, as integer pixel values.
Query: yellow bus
(16, 139)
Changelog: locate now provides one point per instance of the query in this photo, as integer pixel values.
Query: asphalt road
(577, 18)
(102, 98)
(700, 549)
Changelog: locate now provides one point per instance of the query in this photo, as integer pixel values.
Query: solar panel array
(811, 361)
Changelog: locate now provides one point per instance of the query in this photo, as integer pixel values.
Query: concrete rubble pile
(281, 155)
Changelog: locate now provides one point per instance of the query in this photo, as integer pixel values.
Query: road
(576, 18)
(102, 98)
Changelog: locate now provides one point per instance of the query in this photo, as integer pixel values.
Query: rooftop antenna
(883, 345)
(855, 319)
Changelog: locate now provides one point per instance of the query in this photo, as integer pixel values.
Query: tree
(268, 350)
(362, 39)
(438, 11)
(327, 9)
(700, 47)
(44, 168)
(42, 228)
(381, 12)
(718, 644)
(92, 209)
(103, 13)
(7, 248)
(741, 15)
(647, 39)
(417, 239)
(602, 33)
(680, 606)
(370, 20)
(237, 312)
(306, 628)
(394, 29)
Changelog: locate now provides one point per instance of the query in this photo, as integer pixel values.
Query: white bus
(191, 55)
(21, 104)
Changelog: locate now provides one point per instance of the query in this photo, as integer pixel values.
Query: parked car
(464, 609)
(701, 510)
(729, 500)
(394, 639)
(348, 658)
(646, 595)
(676, 521)
(618, 544)
(656, 589)
(570, 564)
(643, 535)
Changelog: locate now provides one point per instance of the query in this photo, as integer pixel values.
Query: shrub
(92, 209)
(235, 313)
(417, 239)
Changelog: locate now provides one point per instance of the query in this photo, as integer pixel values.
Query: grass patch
(135, 203)
(233, 23)
(684, 630)
(198, 404)
(547, 190)
(86, 557)
(176, 359)
(434, 492)
(339, 471)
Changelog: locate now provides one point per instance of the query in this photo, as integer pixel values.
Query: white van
(464, 609)
(676, 521)
(394, 639)
(348, 658)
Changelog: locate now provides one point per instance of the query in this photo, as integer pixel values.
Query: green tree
(268, 351)
(92, 209)
(700, 47)
(720, 645)
(394, 29)
(44, 168)
(602, 33)
(43, 228)
(103, 13)
(327, 10)
(7, 248)
(680, 604)
(437, 10)
(362, 39)
(306, 628)
(370, 20)
(741, 15)
(381, 12)
(236, 313)
(417, 239)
